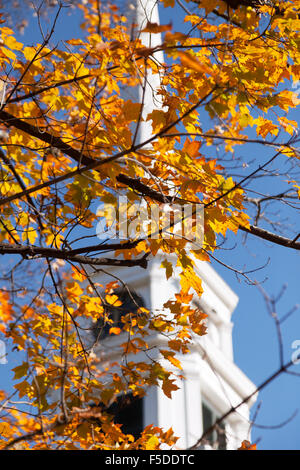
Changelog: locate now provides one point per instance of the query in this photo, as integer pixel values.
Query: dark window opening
(128, 411)
(217, 438)
(131, 302)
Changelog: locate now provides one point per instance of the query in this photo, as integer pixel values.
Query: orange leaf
(113, 300)
(169, 355)
(115, 331)
(193, 63)
(156, 28)
(168, 387)
(246, 445)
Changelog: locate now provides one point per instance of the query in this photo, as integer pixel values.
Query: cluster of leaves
(69, 140)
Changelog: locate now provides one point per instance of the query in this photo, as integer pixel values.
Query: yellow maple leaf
(189, 279)
(113, 300)
(152, 443)
(115, 330)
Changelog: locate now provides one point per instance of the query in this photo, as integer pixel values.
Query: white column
(193, 408)
(172, 413)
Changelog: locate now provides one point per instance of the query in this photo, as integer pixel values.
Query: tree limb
(30, 252)
(271, 237)
(142, 188)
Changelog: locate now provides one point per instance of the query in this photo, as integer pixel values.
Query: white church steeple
(213, 383)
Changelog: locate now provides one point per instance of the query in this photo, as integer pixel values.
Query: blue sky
(254, 334)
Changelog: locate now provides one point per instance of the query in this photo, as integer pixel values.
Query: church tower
(213, 383)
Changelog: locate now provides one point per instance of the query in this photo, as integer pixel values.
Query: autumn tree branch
(143, 189)
(33, 252)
